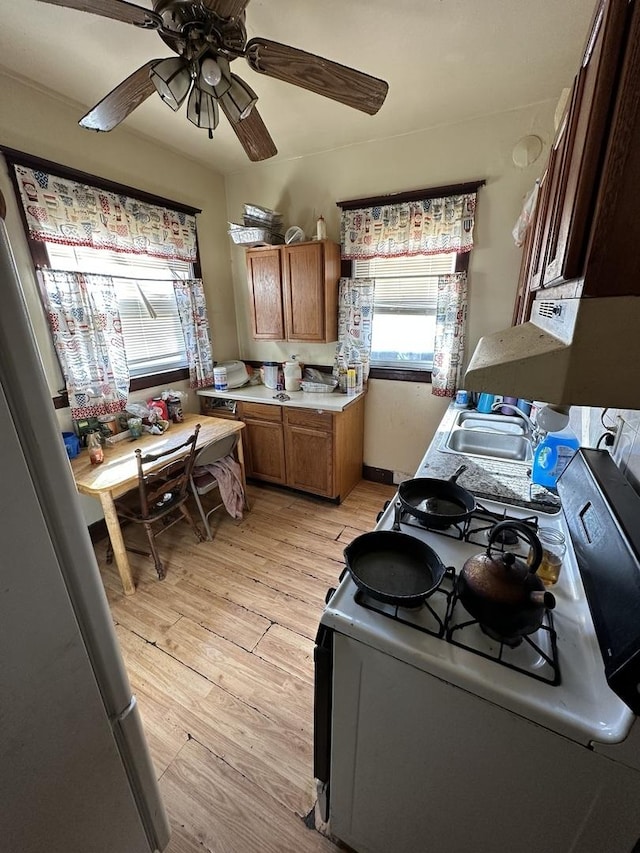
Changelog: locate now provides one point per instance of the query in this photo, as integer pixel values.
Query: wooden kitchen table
(119, 472)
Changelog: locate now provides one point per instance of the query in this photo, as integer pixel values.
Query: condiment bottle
(96, 453)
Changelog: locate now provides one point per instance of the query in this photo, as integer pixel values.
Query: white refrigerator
(75, 771)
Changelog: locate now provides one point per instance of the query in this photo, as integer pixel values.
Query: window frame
(406, 374)
(40, 256)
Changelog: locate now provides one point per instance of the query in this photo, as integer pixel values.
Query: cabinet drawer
(309, 418)
(260, 411)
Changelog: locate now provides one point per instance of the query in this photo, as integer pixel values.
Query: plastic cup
(135, 427)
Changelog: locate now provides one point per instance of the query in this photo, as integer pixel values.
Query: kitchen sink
(502, 424)
(490, 436)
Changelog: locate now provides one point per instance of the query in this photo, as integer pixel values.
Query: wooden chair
(203, 482)
(161, 493)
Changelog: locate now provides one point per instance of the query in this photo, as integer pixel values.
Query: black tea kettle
(501, 590)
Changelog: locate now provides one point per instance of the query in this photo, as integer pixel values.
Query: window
(151, 328)
(404, 316)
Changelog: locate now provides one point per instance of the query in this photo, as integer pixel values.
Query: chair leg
(187, 517)
(154, 553)
(205, 520)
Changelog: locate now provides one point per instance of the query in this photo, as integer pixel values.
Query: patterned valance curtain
(83, 315)
(451, 322)
(192, 309)
(59, 210)
(424, 227)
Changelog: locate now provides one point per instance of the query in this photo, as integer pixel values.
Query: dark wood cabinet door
(303, 290)
(264, 276)
(577, 179)
(264, 450)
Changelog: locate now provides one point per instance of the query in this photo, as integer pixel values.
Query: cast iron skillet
(394, 567)
(437, 503)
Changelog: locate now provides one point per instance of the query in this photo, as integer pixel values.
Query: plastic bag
(526, 216)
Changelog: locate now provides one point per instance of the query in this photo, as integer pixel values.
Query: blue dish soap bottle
(552, 456)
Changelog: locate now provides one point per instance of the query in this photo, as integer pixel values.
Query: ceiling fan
(207, 35)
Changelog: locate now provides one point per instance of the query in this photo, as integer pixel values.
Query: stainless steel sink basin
(490, 436)
(491, 444)
(511, 425)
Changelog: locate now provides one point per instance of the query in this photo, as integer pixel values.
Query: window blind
(405, 285)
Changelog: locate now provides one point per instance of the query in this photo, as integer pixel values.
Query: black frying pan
(394, 567)
(437, 503)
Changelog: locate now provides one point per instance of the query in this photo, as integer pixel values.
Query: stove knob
(381, 513)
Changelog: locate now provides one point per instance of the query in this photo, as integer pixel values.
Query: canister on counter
(220, 378)
(174, 408)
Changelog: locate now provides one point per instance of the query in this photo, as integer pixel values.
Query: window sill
(401, 374)
(138, 383)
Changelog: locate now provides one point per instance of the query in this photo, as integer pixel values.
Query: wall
(36, 123)
(401, 417)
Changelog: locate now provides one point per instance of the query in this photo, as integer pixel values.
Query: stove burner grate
(437, 606)
(537, 658)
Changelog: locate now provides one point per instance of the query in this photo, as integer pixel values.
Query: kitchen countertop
(332, 401)
(492, 479)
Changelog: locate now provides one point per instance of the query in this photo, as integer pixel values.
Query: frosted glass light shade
(172, 80)
(239, 100)
(202, 110)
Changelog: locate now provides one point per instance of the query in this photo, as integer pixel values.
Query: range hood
(573, 352)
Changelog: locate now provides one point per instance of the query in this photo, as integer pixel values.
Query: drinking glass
(135, 427)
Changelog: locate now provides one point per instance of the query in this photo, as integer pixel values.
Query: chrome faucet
(535, 432)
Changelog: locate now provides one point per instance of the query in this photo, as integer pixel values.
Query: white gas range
(432, 736)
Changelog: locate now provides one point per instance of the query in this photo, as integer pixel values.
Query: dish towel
(228, 476)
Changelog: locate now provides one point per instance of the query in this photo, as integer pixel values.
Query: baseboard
(377, 475)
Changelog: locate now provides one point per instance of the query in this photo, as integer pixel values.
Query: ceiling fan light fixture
(202, 110)
(216, 90)
(210, 71)
(239, 100)
(172, 80)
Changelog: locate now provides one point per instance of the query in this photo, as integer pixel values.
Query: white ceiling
(444, 60)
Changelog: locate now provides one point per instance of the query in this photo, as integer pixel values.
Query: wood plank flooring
(220, 657)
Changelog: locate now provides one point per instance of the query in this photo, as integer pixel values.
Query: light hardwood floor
(220, 657)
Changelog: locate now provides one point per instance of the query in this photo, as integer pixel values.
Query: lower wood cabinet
(263, 441)
(312, 450)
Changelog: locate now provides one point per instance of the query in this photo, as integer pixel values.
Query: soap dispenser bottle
(552, 456)
(292, 374)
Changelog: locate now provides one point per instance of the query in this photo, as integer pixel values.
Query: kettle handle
(527, 532)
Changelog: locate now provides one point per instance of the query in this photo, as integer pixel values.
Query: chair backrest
(166, 486)
(216, 450)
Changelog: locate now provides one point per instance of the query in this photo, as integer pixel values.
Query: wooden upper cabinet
(585, 232)
(578, 175)
(265, 294)
(294, 291)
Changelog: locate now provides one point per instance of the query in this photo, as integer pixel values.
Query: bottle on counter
(96, 453)
(552, 456)
(321, 229)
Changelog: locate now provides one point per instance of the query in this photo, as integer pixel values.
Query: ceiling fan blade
(121, 101)
(322, 76)
(119, 10)
(253, 135)
(227, 8)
